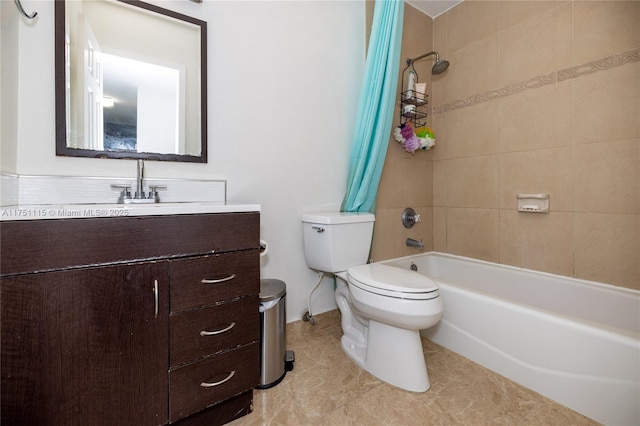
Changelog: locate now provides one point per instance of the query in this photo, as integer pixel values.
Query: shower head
(438, 68)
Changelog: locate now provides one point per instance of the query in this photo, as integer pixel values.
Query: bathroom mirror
(131, 81)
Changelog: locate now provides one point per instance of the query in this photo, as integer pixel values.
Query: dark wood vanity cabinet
(151, 330)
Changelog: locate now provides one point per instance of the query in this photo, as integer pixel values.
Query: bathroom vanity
(136, 320)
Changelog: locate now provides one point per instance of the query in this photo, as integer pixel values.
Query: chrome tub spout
(414, 243)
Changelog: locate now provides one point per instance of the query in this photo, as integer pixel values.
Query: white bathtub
(574, 341)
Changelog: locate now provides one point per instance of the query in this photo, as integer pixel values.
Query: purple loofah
(411, 143)
(406, 131)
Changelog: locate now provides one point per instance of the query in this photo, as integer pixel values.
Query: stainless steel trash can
(274, 357)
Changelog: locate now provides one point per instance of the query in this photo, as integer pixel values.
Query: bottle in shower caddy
(411, 84)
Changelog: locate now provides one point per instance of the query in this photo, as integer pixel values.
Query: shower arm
(411, 61)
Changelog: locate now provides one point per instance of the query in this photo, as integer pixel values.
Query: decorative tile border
(585, 69)
(603, 64)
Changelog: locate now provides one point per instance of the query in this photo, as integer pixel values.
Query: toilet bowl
(383, 308)
(382, 325)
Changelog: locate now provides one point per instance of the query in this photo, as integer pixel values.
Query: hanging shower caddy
(411, 105)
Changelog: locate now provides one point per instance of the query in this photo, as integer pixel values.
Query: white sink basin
(68, 211)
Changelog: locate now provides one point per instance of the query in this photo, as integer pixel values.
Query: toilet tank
(335, 241)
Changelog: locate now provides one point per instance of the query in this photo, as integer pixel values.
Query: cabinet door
(85, 347)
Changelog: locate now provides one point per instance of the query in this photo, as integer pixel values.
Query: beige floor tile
(326, 388)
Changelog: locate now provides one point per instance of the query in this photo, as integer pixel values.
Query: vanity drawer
(237, 323)
(49, 245)
(187, 395)
(230, 275)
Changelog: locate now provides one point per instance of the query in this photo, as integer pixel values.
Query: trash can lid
(271, 289)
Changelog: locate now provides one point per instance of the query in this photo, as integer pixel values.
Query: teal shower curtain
(375, 108)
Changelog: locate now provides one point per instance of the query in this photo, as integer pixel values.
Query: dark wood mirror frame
(60, 81)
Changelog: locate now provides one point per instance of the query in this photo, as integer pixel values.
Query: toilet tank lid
(330, 218)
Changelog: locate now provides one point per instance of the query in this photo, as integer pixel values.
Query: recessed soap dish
(533, 203)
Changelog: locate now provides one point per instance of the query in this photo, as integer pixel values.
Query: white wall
(284, 79)
(8, 88)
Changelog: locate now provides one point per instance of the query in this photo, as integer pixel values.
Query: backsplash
(38, 190)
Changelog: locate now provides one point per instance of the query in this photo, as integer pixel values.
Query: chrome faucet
(139, 196)
(140, 182)
(414, 243)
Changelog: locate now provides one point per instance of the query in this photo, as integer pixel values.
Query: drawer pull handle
(213, 333)
(155, 296)
(226, 379)
(221, 280)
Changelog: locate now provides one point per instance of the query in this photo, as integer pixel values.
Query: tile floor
(327, 388)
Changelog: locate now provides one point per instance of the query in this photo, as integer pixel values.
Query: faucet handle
(410, 217)
(153, 191)
(125, 192)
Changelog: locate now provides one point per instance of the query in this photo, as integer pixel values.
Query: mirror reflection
(133, 79)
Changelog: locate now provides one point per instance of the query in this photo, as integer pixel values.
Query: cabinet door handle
(226, 379)
(213, 333)
(155, 296)
(219, 280)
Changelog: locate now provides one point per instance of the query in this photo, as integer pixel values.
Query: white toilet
(383, 307)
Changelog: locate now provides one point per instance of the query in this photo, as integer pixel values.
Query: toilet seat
(391, 281)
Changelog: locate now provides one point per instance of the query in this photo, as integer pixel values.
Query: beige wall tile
(514, 12)
(387, 234)
(473, 70)
(473, 131)
(392, 178)
(543, 242)
(440, 229)
(607, 177)
(439, 124)
(418, 186)
(417, 37)
(539, 171)
(473, 182)
(538, 46)
(607, 105)
(438, 88)
(440, 183)
(407, 180)
(603, 28)
(607, 248)
(539, 118)
(469, 22)
(440, 34)
(473, 233)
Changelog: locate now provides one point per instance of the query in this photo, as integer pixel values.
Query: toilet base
(392, 354)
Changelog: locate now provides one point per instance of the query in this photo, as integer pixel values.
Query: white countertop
(71, 211)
